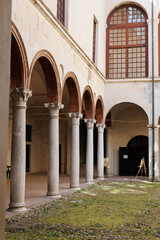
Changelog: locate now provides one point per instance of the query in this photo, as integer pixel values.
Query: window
(61, 11)
(127, 36)
(94, 41)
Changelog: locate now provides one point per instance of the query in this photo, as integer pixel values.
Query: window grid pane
(117, 37)
(117, 63)
(119, 17)
(136, 35)
(136, 62)
(135, 15)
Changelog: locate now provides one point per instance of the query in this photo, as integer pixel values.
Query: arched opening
(44, 85)
(17, 80)
(17, 70)
(126, 121)
(131, 155)
(99, 118)
(72, 102)
(127, 43)
(88, 113)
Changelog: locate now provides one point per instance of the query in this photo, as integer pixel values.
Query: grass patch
(107, 210)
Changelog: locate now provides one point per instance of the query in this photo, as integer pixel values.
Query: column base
(101, 178)
(53, 195)
(16, 207)
(75, 188)
(89, 182)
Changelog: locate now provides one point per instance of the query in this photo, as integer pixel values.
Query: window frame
(126, 26)
(60, 17)
(94, 40)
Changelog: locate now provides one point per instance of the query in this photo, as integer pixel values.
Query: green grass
(107, 210)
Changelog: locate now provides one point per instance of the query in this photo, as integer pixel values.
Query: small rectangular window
(94, 41)
(61, 11)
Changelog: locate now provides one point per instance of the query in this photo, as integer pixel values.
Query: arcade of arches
(60, 128)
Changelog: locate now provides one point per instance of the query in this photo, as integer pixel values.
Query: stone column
(53, 161)
(5, 50)
(109, 149)
(157, 163)
(89, 150)
(150, 166)
(75, 164)
(156, 149)
(18, 154)
(100, 151)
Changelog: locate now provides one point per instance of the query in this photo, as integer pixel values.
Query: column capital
(155, 21)
(101, 125)
(75, 115)
(54, 109)
(54, 105)
(20, 96)
(90, 123)
(153, 126)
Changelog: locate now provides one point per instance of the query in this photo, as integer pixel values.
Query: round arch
(89, 105)
(74, 92)
(99, 109)
(20, 70)
(128, 102)
(51, 74)
(124, 3)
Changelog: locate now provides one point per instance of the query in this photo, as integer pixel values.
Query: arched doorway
(130, 156)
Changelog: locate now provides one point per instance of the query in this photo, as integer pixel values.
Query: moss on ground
(106, 210)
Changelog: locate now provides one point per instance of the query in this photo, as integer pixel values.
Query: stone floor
(36, 188)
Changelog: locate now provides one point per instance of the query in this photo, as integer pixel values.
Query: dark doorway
(130, 156)
(27, 158)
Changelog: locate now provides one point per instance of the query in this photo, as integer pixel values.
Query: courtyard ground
(106, 210)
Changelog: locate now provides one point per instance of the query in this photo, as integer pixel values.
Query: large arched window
(127, 39)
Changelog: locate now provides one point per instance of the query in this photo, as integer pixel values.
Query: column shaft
(156, 151)
(89, 151)
(53, 161)
(109, 149)
(18, 153)
(100, 151)
(75, 164)
(157, 164)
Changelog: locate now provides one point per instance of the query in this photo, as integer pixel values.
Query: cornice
(45, 11)
(127, 80)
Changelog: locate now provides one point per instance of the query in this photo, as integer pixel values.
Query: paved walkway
(36, 188)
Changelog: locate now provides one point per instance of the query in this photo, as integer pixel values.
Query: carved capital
(100, 127)
(54, 105)
(90, 123)
(153, 126)
(54, 109)
(20, 96)
(75, 115)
